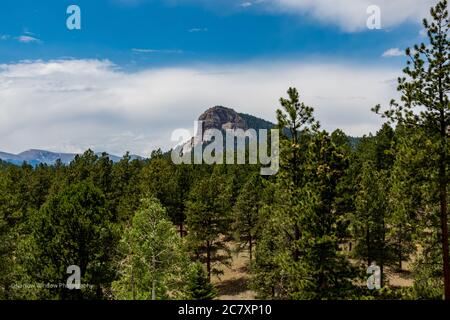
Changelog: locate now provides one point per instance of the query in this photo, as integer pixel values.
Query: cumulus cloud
(71, 105)
(393, 52)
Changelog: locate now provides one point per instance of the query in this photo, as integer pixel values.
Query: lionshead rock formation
(222, 118)
(219, 118)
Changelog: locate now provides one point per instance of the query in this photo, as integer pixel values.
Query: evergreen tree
(371, 219)
(373, 222)
(266, 276)
(405, 195)
(208, 219)
(198, 285)
(246, 213)
(6, 243)
(155, 258)
(15, 204)
(126, 190)
(73, 228)
(322, 271)
(168, 183)
(297, 123)
(425, 106)
(307, 212)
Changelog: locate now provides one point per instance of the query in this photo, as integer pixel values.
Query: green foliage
(208, 219)
(302, 251)
(256, 123)
(198, 285)
(155, 258)
(73, 228)
(266, 275)
(246, 213)
(425, 111)
(386, 193)
(6, 241)
(370, 225)
(170, 184)
(320, 271)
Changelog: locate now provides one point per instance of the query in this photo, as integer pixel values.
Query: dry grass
(401, 279)
(234, 283)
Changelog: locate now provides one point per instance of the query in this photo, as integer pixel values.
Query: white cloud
(348, 15)
(70, 105)
(352, 16)
(27, 39)
(393, 52)
(4, 36)
(246, 4)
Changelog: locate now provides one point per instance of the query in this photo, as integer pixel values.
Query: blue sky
(138, 69)
(184, 32)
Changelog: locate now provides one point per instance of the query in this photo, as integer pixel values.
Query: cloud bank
(72, 105)
(352, 16)
(347, 15)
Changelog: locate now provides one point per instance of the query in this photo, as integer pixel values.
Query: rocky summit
(222, 118)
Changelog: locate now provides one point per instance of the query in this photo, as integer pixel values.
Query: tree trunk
(181, 229)
(208, 259)
(369, 252)
(383, 252)
(444, 227)
(250, 248)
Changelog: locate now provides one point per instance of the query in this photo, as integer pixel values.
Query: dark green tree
(198, 286)
(370, 224)
(73, 228)
(246, 213)
(306, 212)
(209, 219)
(322, 270)
(169, 184)
(424, 105)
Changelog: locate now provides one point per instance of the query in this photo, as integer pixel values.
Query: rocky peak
(219, 118)
(222, 118)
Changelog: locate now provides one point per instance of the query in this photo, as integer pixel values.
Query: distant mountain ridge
(256, 123)
(35, 157)
(217, 117)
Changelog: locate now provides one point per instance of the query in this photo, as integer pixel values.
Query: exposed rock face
(222, 118)
(219, 118)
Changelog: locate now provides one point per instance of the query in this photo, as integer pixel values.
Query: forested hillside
(150, 229)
